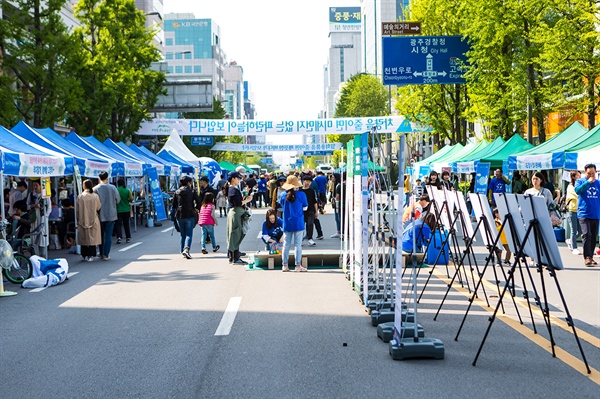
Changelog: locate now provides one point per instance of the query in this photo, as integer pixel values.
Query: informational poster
(157, 196)
(46, 187)
(482, 177)
(398, 333)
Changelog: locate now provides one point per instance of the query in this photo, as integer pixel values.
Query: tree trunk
(591, 102)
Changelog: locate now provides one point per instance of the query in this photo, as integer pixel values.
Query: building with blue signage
(193, 47)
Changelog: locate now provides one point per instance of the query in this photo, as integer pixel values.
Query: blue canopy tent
(170, 157)
(175, 169)
(162, 167)
(114, 147)
(131, 167)
(20, 158)
(89, 164)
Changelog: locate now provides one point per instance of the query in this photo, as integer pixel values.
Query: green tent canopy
(442, 152)
(515, 145)
(228, 166)
(377, 168)
(570, 138)
(468, 149)
(484, 151)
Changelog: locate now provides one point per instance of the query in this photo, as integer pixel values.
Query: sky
(282, 45)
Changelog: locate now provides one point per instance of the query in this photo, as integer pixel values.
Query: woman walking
(38, 209)
(207, 221)
(235, 231)
(293, 203)
(187, 205)
(537, 188)
(571, 201)
(88, 223)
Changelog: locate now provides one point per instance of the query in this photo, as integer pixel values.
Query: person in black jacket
(235, 231)
(187, 205)
(311, 214)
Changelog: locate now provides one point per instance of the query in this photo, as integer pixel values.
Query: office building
(193, 47)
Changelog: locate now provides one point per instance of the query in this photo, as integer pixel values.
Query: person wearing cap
(235, 232)
(293, 204)
(417, 210)
(186, 203)
(251, 184)
(242, 171)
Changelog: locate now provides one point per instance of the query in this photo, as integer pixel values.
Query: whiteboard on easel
(437, 196)
(488, 230)
(534, 207)
(467, 229)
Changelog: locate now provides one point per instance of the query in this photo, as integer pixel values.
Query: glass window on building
(188, 69)
(170, 69)
(178, 56)
(169, 42)
(178, 69)
(187, 56)
(197, 69)
(342, 78)
(169, 56)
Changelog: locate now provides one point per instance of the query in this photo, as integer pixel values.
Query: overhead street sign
(202, 141)
(424, 60)
(400, 28)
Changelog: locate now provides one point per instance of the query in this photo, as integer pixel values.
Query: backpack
(562, 204)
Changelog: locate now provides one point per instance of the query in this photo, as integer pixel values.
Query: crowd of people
(294, 203)
(579, 203)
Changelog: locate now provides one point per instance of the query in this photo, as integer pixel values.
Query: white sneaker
(576, 252)
(336, 235)
(569, 244)
(311, 243)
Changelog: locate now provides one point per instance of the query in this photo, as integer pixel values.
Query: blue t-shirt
(321, 183)
(588, 206)
(293, 212)
(421, 238)
(497, 185)
(262, 185)
(275, 230)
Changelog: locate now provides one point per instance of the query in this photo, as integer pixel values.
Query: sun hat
(291, 182)
(241, 170)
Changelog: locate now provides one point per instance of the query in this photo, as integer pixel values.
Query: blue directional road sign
(202, 140)
(318, 152)
(423, 60)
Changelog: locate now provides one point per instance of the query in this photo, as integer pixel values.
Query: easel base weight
(425, 348)
(379, 305)
(385, 331)
(384, 316)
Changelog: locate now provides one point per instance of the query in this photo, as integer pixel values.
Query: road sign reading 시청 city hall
(424, 60)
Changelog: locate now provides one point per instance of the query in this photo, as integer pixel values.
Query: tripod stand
(540, 237)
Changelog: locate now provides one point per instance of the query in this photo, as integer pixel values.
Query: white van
(325, 168)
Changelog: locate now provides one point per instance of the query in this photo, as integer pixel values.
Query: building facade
(193, 47)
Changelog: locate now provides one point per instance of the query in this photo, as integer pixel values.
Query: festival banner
(275, 147)
(249, 127)
(157, 195)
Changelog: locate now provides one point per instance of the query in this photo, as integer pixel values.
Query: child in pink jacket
(207, 221)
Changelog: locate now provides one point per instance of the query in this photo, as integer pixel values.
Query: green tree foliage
(113, 68)
(362, 96)
(36, 84)
(571, 44)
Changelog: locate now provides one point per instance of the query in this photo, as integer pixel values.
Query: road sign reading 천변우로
(424, 60)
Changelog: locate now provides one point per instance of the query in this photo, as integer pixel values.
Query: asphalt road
(150, 324)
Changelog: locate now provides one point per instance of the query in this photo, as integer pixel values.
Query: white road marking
(129, 247)
(165, 230)
(43, 288)
(229, 316)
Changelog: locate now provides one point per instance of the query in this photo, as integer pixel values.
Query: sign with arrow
(424, 60)
(400, 28)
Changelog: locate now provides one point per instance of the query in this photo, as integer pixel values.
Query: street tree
(571, 47)
(116, 83)
(36, 85)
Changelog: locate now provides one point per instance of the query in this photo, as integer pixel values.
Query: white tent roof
(175, 145)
